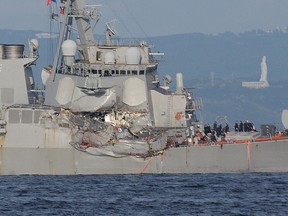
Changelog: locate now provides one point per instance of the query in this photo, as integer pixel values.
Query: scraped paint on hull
(259, 157)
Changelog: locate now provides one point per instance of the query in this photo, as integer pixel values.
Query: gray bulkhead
(16, 81)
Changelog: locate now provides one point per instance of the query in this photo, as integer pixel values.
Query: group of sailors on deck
(213, 133)
(247, 126)
(218, 132)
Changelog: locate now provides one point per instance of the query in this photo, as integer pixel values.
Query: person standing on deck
(226, 128)
(236, 126)
(215, 126)
(241, 126)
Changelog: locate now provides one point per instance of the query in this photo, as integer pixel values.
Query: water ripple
(181, 194)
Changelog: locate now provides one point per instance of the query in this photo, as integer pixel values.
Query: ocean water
(165, 194)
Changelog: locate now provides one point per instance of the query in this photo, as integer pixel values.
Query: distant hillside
(215, 65)
(227, 55)
(261, 106)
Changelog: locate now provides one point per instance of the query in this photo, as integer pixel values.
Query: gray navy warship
(104, 110)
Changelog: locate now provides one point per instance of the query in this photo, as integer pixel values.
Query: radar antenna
(110, 31)
(166, 81)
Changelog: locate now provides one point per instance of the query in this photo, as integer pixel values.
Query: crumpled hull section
(126, 148)
(117, 136)
(107, 139)
(123, 148)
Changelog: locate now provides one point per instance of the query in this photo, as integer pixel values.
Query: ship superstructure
(116, 86)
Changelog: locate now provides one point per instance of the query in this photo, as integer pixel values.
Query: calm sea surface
(185, 194)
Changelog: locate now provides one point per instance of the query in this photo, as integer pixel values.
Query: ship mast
(82, 13)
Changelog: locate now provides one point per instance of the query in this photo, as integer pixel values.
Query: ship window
(100, 72)
(94, 71)
(128, 72)
(112, 72)
(106, 73)
(134, 72)
(122, 72)
(27, 116)
(117, 71)
(14, 116)
(98, 56)
(141, 72)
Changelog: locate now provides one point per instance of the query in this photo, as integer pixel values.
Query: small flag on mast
(49, 1)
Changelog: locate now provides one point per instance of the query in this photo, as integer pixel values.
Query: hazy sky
(160, 17)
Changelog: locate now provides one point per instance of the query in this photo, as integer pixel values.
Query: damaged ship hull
(65, 160)
(46, 151)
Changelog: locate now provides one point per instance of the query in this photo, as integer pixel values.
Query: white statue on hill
(263, 77)
(263, 83)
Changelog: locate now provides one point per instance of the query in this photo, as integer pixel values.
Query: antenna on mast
(110, 31)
